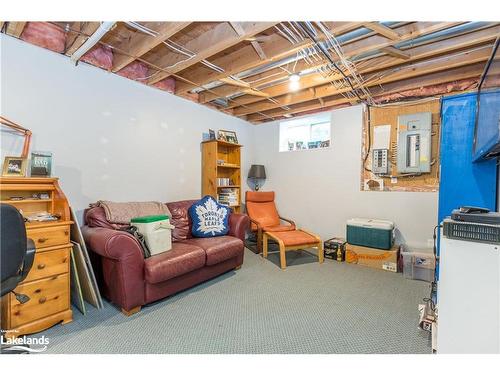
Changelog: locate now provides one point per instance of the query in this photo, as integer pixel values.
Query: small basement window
(306, 133)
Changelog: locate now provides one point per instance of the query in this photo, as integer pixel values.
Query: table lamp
(257, 173)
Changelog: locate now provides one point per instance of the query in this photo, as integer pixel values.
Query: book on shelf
(228, 196)
(224, 181)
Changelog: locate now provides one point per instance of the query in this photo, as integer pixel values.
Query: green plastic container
(370, 233)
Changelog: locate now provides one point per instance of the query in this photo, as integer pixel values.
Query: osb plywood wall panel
(389, 116)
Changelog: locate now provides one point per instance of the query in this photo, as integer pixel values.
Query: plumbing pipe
(91, 41)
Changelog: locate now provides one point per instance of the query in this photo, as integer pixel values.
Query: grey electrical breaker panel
(380, 161)
(414, 143)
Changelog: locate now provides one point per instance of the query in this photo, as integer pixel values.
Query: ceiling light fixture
(294, 81)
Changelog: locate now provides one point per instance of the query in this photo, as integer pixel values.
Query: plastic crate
(419, 266)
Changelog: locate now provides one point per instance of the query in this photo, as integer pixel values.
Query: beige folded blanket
(123, 212)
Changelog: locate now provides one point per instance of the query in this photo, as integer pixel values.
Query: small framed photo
(325, 144)
(211, 132)
(41, 164)
(14, 166)
(228, 136)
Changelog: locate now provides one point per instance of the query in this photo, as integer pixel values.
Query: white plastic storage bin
(419, 266)
(156, 231)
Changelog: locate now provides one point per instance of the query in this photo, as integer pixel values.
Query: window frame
(313, 122)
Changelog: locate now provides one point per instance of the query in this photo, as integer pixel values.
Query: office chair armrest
(288, 221)
(28, 259)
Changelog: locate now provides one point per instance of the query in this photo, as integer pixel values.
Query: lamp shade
(257, 171)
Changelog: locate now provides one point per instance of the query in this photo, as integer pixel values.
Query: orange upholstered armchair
(264, 216)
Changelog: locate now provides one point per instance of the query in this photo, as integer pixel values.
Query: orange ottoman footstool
(293, 240)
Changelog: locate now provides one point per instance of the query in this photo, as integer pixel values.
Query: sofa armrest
(238, 225)
(113, 244)
(122, 265)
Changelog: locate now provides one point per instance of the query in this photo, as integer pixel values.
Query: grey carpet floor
(309, 308)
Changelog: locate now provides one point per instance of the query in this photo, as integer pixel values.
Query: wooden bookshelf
(48, 282)
(221, 160)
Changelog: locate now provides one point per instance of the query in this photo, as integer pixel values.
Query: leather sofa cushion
(218, 249)
(181, 259)
(180, 219)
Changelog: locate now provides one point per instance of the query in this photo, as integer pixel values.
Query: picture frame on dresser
(14, 166)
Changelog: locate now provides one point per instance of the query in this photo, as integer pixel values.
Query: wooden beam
(15, 29)
(142, 43)
(256, 93)
(382, 30)
(409, 71)
(255, 44)
(208, 44)
(450, 75)
(235, 82)
(86, 30)
(416, 54)
(1, 25)
(395, 52)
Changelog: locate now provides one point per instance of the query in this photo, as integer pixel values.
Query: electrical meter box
(414, 143)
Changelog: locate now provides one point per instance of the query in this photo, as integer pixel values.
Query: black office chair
(16, 253)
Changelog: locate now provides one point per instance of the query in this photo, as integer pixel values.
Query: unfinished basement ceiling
(244, 68)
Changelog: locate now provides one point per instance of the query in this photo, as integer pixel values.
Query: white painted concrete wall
(111, 138)
(320, 188)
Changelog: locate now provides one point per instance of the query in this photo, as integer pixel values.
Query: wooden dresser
(48, 282)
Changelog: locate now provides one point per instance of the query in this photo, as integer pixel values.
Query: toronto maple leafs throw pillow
(210, 218)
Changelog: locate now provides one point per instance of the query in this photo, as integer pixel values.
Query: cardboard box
(374, 258)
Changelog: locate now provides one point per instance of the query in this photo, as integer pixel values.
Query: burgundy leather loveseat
(130, 281)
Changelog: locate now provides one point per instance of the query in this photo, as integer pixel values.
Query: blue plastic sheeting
(463, 183)
(488, 132)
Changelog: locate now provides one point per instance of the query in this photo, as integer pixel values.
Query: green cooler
(374, 233)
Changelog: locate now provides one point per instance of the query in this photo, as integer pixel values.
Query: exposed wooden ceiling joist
(276, 48)
(387, 64)
(141, 43)
(391, 75)
(382, 30)
(86, 29)
(350, 50)
(15, 29)
(208, 44)
(255, 44)
(396, 53)
(449, 75)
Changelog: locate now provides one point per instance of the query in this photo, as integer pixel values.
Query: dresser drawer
(47, 297)
(49, 236)
(49, 263)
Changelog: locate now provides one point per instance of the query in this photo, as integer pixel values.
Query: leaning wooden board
(76, 289)
(84, 266)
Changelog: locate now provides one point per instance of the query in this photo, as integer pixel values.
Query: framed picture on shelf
(211, 132)
(324, 144)
(14, 166)
(228, 136)
(41, 164)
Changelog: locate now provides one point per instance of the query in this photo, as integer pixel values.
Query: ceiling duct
(91, 41)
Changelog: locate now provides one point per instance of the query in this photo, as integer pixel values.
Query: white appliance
(468, 297)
